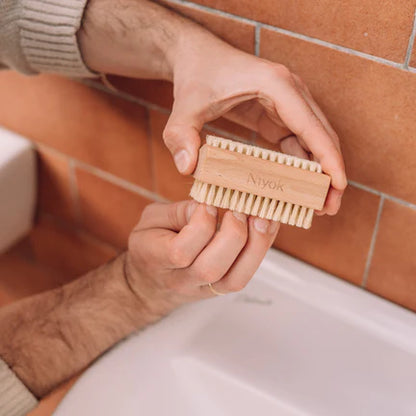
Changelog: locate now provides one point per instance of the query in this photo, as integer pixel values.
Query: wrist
(134, 38)
(154, 300)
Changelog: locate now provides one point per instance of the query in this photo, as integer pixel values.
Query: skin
(175, 250)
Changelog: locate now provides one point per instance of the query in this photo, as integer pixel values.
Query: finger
(334, 197)
(167, 215)
(178, 250)
(332, 202)
(215, 260)
(261, 235)
(194, 237)
(291, 146)
(302, 121)
(181, 136)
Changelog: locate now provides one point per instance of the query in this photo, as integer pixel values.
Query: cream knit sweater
(40, 36)
(37, 36)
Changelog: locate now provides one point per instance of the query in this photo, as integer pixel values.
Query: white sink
(17, 187)
(296, 341)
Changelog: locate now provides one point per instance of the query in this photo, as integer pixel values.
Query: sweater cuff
(15, 398)
(48, 30)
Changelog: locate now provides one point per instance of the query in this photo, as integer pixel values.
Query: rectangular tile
(20, 277)
(67, 249)
(235, 32)
(55, 192)
(92, 126)
(107, 210)
(154, 91)
(377, 28)
(371, 106)
(393, 267)
(336, 244)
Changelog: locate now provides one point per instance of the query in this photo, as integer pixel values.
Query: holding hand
(213, 79)
(175, 252)
(139, 38)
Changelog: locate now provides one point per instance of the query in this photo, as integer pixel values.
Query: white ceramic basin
(17, 187)
(296, 341)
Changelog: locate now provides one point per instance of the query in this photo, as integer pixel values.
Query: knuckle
(171, 134)
(174, 214)
(281, 71)
(178, 257)
(238, 233)
(206, 276)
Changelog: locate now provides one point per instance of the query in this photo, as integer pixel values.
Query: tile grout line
(126, 96)
(410, 44)
(257, 35)
(122, 183)
(73, 184)
(151, 152)
(150, 106)
(382, 194)
(300, 36)
(334, 46)
(78, 229)
(156, 197)
(372, 243)
(109, 177)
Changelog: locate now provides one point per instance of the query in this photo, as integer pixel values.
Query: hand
(176, 250)
(213, 79)
(138, 38)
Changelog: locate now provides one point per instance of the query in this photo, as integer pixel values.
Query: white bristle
(301, 216)
(218, 197)
(251, 204)
(255, 210)
(294, 215)
(234, 200)
(264, 208)
(225, 203)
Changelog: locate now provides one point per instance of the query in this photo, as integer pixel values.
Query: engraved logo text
(263, 183)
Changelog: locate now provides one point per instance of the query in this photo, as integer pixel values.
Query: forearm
(49, 337)
(136, 38)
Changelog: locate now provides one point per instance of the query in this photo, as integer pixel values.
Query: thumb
(170, 216)
(182, 139)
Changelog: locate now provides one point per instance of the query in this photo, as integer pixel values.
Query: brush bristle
(251, 204)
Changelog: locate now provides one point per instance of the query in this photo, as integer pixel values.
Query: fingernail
(261, 225)
(240, 216)
(190, 210)
(182, 160)
(274, 225)
(211, 210)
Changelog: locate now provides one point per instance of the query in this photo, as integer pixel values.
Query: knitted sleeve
(15, 398)
(40, 36)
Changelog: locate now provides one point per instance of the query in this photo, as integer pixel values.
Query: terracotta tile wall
(102, 159)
